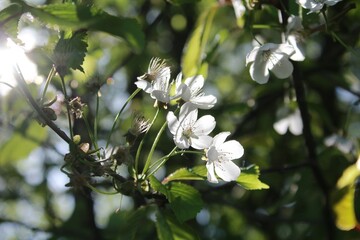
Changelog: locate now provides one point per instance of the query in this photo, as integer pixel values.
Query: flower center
(187, 133)
(268, 55)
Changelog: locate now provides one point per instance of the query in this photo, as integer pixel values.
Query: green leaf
(163, 229)
(9, 18)
(180, 2)
(344, 206)
(158, 186)
(194, 51)
(22, 142)
(71, 17)
(195, 173)
(168, 227)
(249, 178)
(125, 225)
(126, 28)
(70, 53)
(184, 200)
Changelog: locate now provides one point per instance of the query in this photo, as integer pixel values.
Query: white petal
(195, 82)
(178, 80)
(269, 46)
(220, 138)
(212, 154)
(231, 150)
(227, 170)
(181, 141)
(201, 142)
(173, 123)
(250, 57)
(189, 118)
(210, 173)
(281, 126)
(185, 109)
(295, 124)
(259, 71)
(204, 102)
(144, 85)
(283, 68)
(294, 24)
(299, 51)
(331, 2)
(160, 96)
(285, 49)
(178, 87)
(204, 125)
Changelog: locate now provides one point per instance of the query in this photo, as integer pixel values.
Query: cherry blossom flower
(270, 57)
(219, 158)
(292, 122)
(192, 91)
(294, 37)
(316, 5)
(190, 131)
(156, 80)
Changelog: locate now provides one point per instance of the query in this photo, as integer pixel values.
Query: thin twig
(23, 86)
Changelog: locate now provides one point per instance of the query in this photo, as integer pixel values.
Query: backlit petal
(195, 82)
(201, 142)
(204, 102)
(250, 57)
(227, 170)
(144, 85)
(204, 125)
(211, 177)
(231, 150)
(283, 68)
(220, 138)
(259, 71)
(173, 123)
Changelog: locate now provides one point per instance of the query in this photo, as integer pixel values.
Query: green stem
(96, 120)
(148, 160)
(99, 191)
(119, 113)
(67, 106)
(142, 142)
(162, 162)
(265, 26)
(91, 135)
(176, 153)
(48, 80)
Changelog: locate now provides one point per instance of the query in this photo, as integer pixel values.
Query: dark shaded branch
(311, 149)
(286, 168)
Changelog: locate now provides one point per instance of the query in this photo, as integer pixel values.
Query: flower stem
(100, 191)
(162, 162)
(67, 106)
(148, 160)
(48, 80)
(142, 142)
(96, 120)
(119, 113)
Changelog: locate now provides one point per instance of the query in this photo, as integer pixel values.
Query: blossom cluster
(187, 129)
(271, 57)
